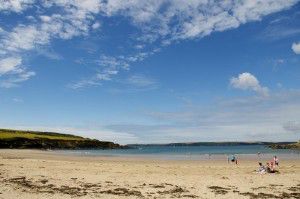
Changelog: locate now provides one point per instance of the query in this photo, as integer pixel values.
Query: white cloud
(279, 32)
(15, 5)
(96, 25)
(75, 21)
(9, 64)
(247, 81)
(244, 81)
(141, 81)
(229, 14)
(163, 21)
(20, 76)
(176, 19)
(248, 118)
(106, 75)
(49, 53)
(84, 83)
(15, 72)
(284, 26)
(134, 83)
(296, 48)
(108, 67)
(45, 18)
(23, 38)
(112, 62)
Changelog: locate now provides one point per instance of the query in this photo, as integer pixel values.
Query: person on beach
(276, 161)
(232, 159)
(261, 168)
(270, 167)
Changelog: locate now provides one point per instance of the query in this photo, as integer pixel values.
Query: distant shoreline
(226, 143)
(23, 139)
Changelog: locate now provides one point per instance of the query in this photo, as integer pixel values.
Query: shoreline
(77, 155)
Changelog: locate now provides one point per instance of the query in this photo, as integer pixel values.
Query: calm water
(188, 152)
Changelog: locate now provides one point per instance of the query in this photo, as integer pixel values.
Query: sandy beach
(33, 174)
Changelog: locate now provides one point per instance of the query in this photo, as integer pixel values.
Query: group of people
(270, 167)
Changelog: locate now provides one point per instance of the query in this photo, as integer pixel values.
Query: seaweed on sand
(219, 190)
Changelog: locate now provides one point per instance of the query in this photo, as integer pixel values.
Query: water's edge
(190, 152)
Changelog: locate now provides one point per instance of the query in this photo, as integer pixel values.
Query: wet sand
(33, 174)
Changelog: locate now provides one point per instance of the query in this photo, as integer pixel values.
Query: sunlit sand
(31, 174)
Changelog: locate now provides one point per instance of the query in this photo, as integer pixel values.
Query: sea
(190, 152)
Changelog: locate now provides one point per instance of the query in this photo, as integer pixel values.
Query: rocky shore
(295, 146)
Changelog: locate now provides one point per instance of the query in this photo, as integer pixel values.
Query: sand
(33, 174)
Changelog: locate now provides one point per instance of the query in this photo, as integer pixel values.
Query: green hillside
(48, 140)
(9, 134)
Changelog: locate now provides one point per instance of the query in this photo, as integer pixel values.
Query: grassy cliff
(48, 140)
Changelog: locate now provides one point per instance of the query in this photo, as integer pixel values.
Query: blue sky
(152, 71)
